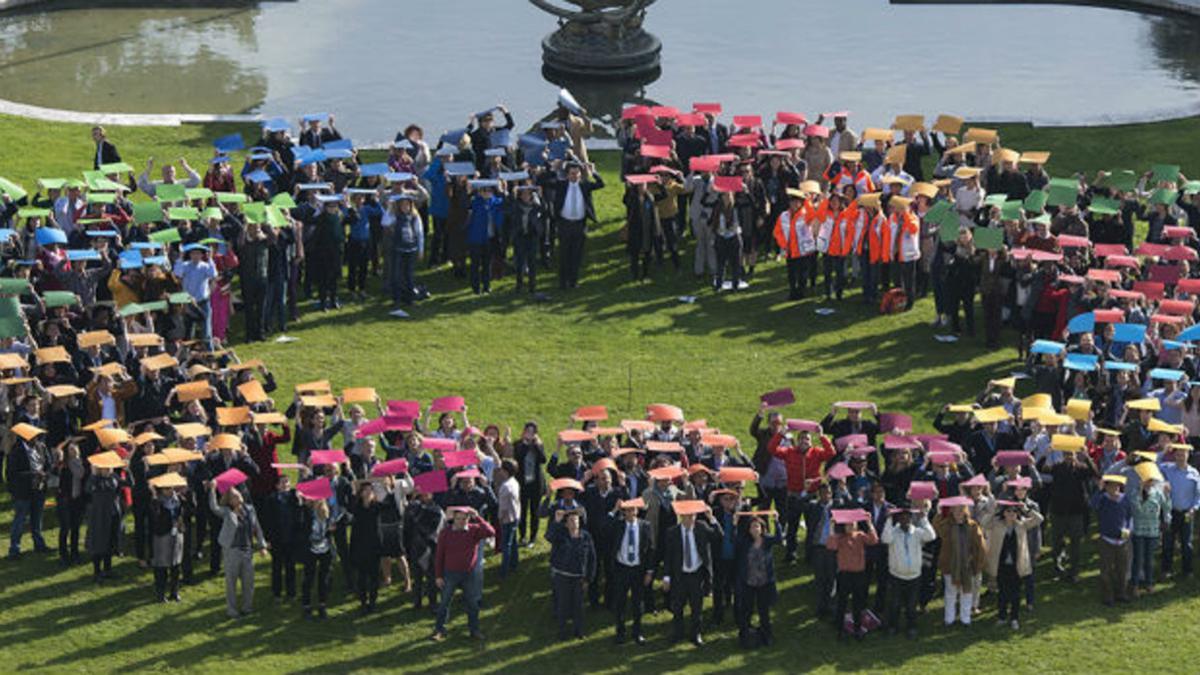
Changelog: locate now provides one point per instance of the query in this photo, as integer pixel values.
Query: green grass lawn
(612, 342)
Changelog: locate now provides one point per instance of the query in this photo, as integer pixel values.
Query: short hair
(509, 466)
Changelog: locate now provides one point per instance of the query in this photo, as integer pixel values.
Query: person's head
(320, 508)
(508, 469)
(461, 518)
(233, 499)
(603, 480)
(529, 431)
(572, 521)
(903, 519)
(756, 528)
(446, 422)
(825, 491)
(98, 133)
(878, 493)
(283, 483)
(729, 501)
(575, 455)
(687, 520)
(366, 493)
(574, 173)
(1113, 488)
(959, 514)
(1181, 452)
(1011, 514)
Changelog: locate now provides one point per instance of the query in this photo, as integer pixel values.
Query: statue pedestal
(583, 53)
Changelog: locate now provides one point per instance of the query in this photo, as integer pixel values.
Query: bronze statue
(600, 39)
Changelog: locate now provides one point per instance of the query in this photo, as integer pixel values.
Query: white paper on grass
(946, 338)
(284, 339)
(398, 313)
(824, 311)
(687, 299)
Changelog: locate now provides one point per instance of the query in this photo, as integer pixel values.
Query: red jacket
(803, 468)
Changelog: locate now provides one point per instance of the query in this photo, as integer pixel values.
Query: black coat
(522, 448)
(587, 185)
(706, 535)
(107, 154)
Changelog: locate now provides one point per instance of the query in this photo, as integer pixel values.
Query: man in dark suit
(715, 135)
(315, 135)
(631, 558)
(599, 499)
(688, 564)
(572, 209)
(106, 152)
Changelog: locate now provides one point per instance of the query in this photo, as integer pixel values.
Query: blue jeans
(1143, 561)
(510, 552)
(31, 510)
(403, 280)
(471, 584)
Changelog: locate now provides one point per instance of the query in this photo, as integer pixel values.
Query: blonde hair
(321, 508)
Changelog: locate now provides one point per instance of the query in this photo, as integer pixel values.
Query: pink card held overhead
(228, 479)
(895, 422)
(922, 490)
(318, 488)
(318, 457)
(448, 404)
(390, 467)
(432, 482)
(459, 458)
(779, 398)
(404, 408)
(439, 444)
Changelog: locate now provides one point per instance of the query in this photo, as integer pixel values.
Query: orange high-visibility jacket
(881, 239)
(793, 233)
(842, 241)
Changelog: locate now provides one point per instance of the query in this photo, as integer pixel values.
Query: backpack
(893, 302)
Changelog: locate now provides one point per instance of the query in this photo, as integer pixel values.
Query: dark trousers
(568, 603)
(70, 517)
(768, 496)
(824, 563)
(343, 552)
(328, 270)
(877, 570)
(851, 592)
(439, 249)
(729, 254)
(368, 580)
(166, 581)
(357, 257)
(1181, 529)
(791, 518)
(724, 579)
(275, 306)
(283, 572)
(101, 563)
(572, 235)
(627, 587)
(755, 599)
(481, 267)
(639, 264)
(141, 529)
(530, 496)
(1009, 585)
(1114, 570)
(908, 280)
(992, 318)
(403, 280)
(1067, 526)
(929, 571)
(835, 275)
(316, 573)
(600, 590)
(254, 294)
(424, 586)
(525, 251)
(870, 294)
(962, 295)
(686, 589)
(214, 547)
(190, 542)
(671, 240)
(902, 593)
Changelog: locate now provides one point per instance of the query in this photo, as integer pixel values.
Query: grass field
(612, 342)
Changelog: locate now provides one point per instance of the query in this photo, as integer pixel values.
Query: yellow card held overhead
(51, 355)
(1079, 409)
(232, 417)
(948, 124)
(9, 361)
(318, 387)
(160, 362)
(909, 123)
(1066, 443)
(96, 338)
(193, 391)
(269, 418)
(319, 401)
(1148, 471)
(144, 339)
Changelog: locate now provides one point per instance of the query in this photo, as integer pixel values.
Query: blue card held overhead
(1129, 332)
(1047, 347)
(229, 143)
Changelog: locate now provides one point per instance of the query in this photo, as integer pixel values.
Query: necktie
(630, 544)
(688, 562)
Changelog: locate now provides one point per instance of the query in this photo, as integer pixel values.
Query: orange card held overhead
(193, 391)
(359, 394)
(253, 392)
(318, 387)
(232, 417)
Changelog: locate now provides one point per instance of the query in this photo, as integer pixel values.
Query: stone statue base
(583, 53)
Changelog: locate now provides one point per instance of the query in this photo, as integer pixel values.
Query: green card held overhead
(13, 286)
(1103, 206)
(156, 306)
(101, 197)
(167, 236)
(131, 309)
(170, 192)
(988, 238)
(30, 212)
(1164, 196)
(1120, 179)
(52, 183)
(1036, 201)
(1011, 210)
(1062, 196)
(147, 212)
(255, 212)
(275, 217)
(179, 298)
(116, 167)
(14, 191)
(1165, 173)
(996, 199)
(12, 323)
(198, 193)
(283, 200)
(936, 211)
(54, 299)
(948, 230)
(231, 198)
(183, 213)
(1191, 187)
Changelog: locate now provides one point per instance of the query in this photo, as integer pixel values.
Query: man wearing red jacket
(456, 565)
(803, 461)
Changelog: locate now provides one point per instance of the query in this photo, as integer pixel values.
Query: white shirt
(689, 548)
(628, 553)
(573, 208)
(904, 548)
(509, 500)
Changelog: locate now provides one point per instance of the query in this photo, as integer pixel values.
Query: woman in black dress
(365, 545)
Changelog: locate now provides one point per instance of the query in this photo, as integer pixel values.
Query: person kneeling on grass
(457, 567)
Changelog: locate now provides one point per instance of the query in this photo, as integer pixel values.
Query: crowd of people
(126, 407)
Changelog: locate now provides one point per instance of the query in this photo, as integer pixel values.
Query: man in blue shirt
(198, 275)
(1114, 513)
(1184, 482)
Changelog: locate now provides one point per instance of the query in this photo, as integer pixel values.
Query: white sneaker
(1016, 625)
